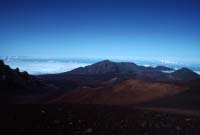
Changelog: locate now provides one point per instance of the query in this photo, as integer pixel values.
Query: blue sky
(121, 29)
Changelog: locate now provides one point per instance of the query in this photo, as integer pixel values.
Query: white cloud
(44, 67)
(168, 62)
(198, 72)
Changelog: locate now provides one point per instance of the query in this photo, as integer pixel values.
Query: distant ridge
(185, 74)
(109, 67)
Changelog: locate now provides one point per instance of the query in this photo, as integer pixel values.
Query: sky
(110, 29)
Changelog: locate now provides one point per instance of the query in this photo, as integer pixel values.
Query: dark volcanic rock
(13, 78)
(15, 86)
(1, 63)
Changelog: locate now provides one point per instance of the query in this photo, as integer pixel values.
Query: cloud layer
(45, 67)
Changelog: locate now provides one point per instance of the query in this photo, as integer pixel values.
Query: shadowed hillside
(20, 87)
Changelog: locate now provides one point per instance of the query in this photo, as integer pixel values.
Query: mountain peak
(102, 67)
(184, 70)
(185, 74)
(105, 62)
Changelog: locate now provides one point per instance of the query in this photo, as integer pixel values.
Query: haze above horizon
(107, 29)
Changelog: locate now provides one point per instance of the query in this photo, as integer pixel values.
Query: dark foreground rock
(93, 120)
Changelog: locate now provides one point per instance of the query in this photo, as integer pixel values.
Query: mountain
(115, 83)
(108, 67)
(185, 74)
(102, 72)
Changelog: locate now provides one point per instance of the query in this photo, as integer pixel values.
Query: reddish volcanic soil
(127, 92)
